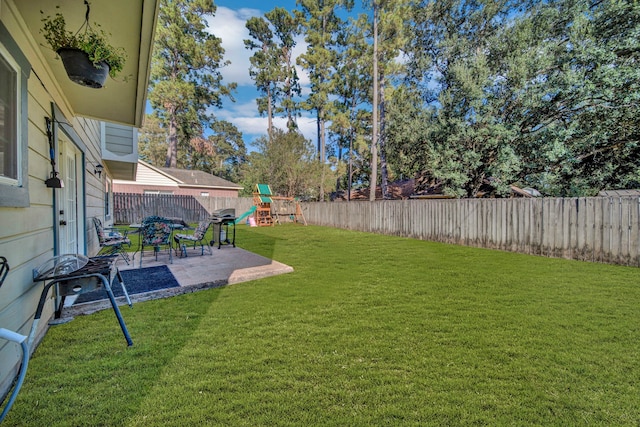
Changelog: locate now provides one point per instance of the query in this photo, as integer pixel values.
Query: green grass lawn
(369, 330)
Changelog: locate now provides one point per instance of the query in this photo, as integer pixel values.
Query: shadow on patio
(225, 266)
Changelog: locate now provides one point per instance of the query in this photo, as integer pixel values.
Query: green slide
(246, 214)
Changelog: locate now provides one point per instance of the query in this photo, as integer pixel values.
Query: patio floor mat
(137, 281)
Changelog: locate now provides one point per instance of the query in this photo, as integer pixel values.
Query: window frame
(15, 193)
(14, 104)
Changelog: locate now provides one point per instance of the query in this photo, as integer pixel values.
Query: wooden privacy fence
(602, 229)
(240, 204)
(131, 208)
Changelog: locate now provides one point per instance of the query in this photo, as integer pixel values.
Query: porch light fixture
(53, 181)
(97, 170)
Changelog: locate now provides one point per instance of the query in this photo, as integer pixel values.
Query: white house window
(10, 158)
(14, 150)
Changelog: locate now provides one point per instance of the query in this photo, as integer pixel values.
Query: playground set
(269, 209)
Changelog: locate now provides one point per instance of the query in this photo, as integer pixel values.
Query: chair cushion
(187, 237)
(117, 242)
(156, 233)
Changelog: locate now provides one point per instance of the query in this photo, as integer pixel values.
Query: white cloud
(245, 117)
(236, 109)
(229, 25)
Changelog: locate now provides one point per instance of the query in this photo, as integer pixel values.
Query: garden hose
(22, 340)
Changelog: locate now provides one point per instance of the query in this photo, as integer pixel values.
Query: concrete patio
(225, 266)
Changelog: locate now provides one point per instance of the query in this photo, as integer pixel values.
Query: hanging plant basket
(87, 55)
(81, 70)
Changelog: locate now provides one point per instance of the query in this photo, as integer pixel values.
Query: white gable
(147, 176)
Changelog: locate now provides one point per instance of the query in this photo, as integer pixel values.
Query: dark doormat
(137, 281)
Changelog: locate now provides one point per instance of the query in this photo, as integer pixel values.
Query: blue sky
(229, 25)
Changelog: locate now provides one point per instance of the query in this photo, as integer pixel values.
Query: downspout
(84, 202)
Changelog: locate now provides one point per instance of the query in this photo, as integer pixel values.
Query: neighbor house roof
(619, 193)
(196, 178)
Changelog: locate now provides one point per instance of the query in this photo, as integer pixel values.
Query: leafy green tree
(409, 122)
(351, 119)
(264, 67)
(321, 26)
(578, 115)
(221, 153)
(272, 68)
(538, 93)
(230, 149)
(152, 141)
(286, 27)
(185, 72)
(470, 138)
(386, 32)
(287, 162)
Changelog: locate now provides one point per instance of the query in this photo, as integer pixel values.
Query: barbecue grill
(221, 219)
(74, 277)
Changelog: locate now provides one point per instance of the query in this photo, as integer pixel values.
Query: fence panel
(591, 229)
(132, 208)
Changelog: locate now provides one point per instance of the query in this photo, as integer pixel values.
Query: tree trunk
(384, 173)
(321, 152)
(374, 118)
(269, 115)
(172, 149)
(352, 132)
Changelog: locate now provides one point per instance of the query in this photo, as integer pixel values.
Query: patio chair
(155, 231)
(112, 240)
(198, 236)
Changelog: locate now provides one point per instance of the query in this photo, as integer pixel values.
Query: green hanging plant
(90, 39)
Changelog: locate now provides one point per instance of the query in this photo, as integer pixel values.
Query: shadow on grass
(81, 367)
(259, 239)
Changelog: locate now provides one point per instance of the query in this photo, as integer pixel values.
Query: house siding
(27, 234)
(119, 139)
(148, 177)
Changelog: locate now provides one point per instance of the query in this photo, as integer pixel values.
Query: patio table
(177, 224)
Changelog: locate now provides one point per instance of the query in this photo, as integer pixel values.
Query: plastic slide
(246, 214)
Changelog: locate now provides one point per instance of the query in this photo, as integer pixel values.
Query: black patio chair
(198, 236)
(112, 240)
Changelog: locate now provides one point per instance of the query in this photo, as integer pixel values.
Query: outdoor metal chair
(156, 231)
(198, 236)
(112, 240)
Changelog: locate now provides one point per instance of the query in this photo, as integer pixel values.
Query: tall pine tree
(185, 71)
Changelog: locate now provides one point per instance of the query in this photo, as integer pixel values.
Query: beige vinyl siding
(27, 233)
(146, 179)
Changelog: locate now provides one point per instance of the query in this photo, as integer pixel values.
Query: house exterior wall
(27, 235)
(148, 180)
